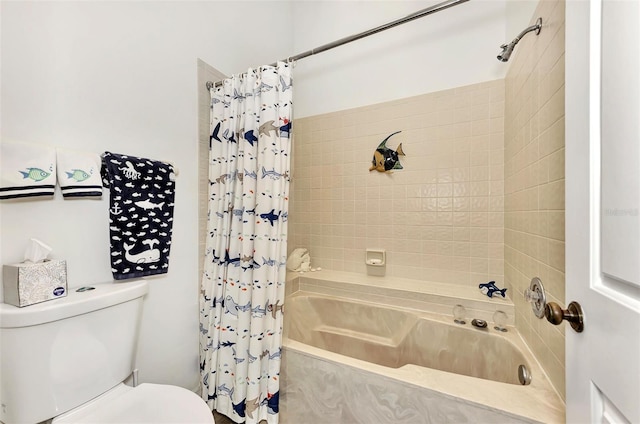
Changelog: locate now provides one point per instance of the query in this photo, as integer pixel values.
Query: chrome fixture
(323, 48)
(479, 323)
(535, 295)
(524, 376)
(573, 314)
(552, 311)
(507, 49)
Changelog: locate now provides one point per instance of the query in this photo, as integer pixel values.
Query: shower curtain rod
(419, 14)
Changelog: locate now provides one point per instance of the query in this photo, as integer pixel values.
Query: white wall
(121, 76)
(519, 17)
(452, 48)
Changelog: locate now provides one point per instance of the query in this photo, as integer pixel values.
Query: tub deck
(393, 340)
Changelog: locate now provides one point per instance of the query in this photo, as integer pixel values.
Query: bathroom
(123, 77)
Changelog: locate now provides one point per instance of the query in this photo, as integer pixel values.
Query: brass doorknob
(573, 314)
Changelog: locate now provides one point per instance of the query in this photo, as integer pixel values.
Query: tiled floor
(222, 419)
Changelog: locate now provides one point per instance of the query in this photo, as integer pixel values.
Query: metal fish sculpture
(385, 159)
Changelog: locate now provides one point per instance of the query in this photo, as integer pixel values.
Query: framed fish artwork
(385, 159)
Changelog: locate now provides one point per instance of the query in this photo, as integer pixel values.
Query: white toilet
(67, 359)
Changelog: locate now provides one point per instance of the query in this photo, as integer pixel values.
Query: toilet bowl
(81, 348)
(146, 403)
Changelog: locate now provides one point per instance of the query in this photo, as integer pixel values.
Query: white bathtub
(355, 353)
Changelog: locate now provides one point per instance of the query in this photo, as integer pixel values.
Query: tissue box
(28, 283)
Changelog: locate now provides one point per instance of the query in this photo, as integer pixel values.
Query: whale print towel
(26, 170)
(141, 200)
(78, 173)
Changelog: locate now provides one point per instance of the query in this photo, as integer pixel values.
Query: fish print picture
(385, 159)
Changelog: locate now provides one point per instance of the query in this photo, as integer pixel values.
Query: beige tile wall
(440, 218)
(534, 182)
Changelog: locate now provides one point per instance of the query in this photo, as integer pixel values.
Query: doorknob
(573, 314)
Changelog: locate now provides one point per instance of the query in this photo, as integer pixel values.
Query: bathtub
(358, 350)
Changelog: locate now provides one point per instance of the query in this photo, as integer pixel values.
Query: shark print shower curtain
(242, 289)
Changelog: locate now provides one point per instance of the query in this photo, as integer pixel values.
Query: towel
(78, 173)
(26, 170)
(141, 201)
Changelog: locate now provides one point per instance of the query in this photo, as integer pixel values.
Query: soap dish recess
(375, 257)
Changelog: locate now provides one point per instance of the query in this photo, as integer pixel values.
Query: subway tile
(479, 158)
(480, 112)
(556, 165)
(461, 204)
(460, 233)
(480, 188)
(482, 127)
(479, 266)
(480, 204)
(463, 114)
(445, 190)
(480, 173)
(495, 235)
(481, 96)
(460, 219)
(479, 234)
(444, 218)
(445, 204)
(461, 189)
(552, 195)
(429, 204)
(461, 160)
(496, 109)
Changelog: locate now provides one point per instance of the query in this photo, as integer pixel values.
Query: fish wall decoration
(385, 159)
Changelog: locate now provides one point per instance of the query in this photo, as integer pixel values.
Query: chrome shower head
(507, 49)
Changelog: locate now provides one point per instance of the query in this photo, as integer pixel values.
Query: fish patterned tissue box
(28, 283)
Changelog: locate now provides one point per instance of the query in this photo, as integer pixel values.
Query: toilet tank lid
(75, 303)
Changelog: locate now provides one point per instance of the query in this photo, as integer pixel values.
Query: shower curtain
(242, 289)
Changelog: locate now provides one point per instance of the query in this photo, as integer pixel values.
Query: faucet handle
(500, 320)
(536, 296)
(531, 296)
(459, 314)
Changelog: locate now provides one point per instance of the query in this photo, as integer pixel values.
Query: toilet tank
(57, 355)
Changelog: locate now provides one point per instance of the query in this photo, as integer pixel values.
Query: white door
(602, 159)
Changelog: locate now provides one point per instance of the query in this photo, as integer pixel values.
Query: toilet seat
(145, 403)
